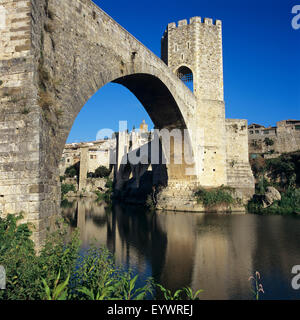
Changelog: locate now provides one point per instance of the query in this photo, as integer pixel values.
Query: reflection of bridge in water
(216, 253)
(176, 249)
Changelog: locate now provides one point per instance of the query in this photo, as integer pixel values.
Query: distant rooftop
(289, 121)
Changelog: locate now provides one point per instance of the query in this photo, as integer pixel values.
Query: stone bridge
(54, 55)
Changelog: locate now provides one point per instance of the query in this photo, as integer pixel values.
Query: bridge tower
(193, 51)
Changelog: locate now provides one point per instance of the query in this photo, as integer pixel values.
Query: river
(214, 252)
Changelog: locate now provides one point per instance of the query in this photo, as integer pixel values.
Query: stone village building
(285, 137)
(273, 141)
(102, 152)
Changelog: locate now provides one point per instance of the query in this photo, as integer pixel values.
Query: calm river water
(213, 252)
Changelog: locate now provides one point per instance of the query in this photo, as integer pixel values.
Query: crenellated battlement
(193, 20)
(193, 43)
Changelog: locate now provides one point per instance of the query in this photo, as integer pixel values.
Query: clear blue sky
(261, 60)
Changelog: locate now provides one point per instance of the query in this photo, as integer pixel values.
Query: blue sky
(261, 60)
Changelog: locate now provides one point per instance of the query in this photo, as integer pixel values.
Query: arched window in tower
(186, 75)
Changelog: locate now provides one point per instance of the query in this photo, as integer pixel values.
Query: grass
(215, 196)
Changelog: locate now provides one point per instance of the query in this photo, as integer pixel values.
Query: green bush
(282, 173)
(24, 269)
(258, 166)
(101, 172)
(61, 271)
(73, 170)
(268, 142)
(107, 195)
(215, 196)
(66, 188)
(289, 204)
(285, 169)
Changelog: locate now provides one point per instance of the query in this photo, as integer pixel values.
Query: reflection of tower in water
(204, 251)
(208, 252)
(224, 256)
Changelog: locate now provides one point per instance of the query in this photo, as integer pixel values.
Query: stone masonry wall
(198, 45)
(21, 186)
(285, 139)
(54, 56)
(239, 172)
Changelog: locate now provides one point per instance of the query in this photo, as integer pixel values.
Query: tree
(73, 170)
(269, 142)
(101, 172)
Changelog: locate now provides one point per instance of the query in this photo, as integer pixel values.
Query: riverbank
(282, 175)
(289, 204)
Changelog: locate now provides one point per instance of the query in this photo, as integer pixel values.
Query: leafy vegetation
(283, 173)
(62, 272)
(101, 172)
(181, 294)
(285, 170)
(289, 204)
(268, 142)
(107, 195)
(73, 170)
(24, 269)
(66, 188)
(215, 196)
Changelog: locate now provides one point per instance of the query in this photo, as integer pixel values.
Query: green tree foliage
(73, 170)
(258, 166)
(101, 172)
(284, 174)
(107, 195)
(66, 188)
(285, 169)
(268, 142)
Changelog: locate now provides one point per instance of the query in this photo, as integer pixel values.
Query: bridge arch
(158, 102)
(82, 55)
(94, 52)
(57, 54)
(71, 50)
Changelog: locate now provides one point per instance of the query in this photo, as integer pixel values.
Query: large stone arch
(59, 54)
(54, 55)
